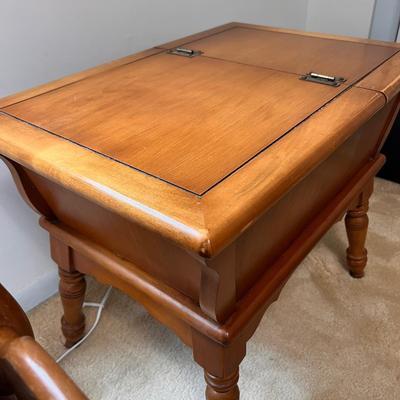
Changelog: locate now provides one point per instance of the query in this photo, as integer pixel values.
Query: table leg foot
(72, 291)
(222, 388)
(221, 361)
(356, 227)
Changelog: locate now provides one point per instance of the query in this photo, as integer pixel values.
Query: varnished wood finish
(173, 213)
(27, 190)
(222, 389)
(316, 34)
(222, 353)
(72, 289)
(26, 370)
(274, 276)
(12, 316)
(297, 54)
(298, 206)
(197, 185)
(97, 261)
(34, 374)
(384, 79)
(393, 109)
(356, 227)
(159, 109)
(204, 225)
(72, 292)
(211, 283)
(271, 175)
(108, 268)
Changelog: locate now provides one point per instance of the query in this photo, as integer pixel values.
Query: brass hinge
(324, 79)
(182, 51)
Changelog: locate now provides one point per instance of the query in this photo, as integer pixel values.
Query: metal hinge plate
(324, 79)
(184, 52)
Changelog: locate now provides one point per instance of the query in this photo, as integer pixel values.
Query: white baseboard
(38, 291)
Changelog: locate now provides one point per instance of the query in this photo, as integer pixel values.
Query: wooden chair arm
(31, 372)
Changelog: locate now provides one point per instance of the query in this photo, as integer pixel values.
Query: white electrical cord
(100, 307)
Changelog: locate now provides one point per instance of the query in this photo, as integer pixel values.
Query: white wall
(342, 17)
(41, 40)
(26, 270)
(386, 20)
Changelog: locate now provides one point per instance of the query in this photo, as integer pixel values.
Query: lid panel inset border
(189, 122)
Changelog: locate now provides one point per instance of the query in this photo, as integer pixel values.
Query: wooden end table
(195, 176)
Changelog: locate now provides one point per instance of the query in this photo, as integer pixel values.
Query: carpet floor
(328, 336)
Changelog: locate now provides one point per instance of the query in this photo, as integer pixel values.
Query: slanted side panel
(268, 238)
(148, 250)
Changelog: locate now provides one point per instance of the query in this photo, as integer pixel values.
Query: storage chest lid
(156, 136)
(193, 121)
(190, 122)
(295, 53)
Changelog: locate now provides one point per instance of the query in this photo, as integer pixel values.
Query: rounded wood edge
(250, 308)
(385, 78)
(12, 316)
(173, 213)
(28, 193)
(203, 225)
(39, 373)
(238, 201)
(317, 35)
(269, 285)
(124, 272)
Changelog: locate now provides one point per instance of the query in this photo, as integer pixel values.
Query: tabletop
(196, 143)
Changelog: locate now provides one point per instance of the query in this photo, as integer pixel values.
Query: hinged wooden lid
(295, 53)
(188, 121)
(192, 146)
(192, 121)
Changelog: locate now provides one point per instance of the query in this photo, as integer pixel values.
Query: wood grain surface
(26, 370)
(385, 79)
(207, 224)
(187, 121)
(293, 53)
(321, 35)
(179, 119)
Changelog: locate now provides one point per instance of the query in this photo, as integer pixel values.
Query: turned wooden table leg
(221, 365)
(222, 388)
(356, 227)
(72, 291)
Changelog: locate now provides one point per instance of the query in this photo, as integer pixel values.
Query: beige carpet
(328, 337)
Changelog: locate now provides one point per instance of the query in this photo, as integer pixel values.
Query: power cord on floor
(100, 307)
